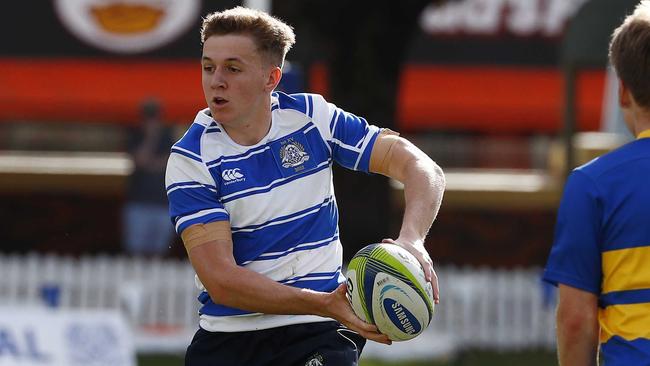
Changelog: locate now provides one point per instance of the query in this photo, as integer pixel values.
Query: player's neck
(643, 132)
(641, 121)
(251, 130)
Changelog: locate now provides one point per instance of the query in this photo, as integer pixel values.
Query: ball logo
(401, 317)
(127, 26)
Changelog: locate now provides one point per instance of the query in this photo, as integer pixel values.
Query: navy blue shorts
(311, 344)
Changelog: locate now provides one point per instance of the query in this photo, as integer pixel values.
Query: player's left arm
(424, 185)
(577, 327)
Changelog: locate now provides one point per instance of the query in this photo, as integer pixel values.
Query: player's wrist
(315, 302)
(411, 238)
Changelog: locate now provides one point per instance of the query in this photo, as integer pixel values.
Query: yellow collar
(643, 134)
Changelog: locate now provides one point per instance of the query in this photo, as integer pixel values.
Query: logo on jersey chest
(293, 154)
(230, 176)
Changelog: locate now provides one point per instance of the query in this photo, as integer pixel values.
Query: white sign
(54, 337)
(490, 17)
(128, 26)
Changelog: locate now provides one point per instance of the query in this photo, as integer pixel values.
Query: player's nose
(217, 80)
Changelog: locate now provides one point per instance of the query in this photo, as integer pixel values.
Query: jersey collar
(643, 134)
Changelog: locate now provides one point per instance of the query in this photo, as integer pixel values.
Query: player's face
(236, 79)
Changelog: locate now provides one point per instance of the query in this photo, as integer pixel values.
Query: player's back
(622, 185)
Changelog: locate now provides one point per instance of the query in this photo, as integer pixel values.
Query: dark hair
(629, 53)
(272, 36)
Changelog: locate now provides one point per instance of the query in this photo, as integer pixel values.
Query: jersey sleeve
(350, 138)
(575, 258)
(192, 195)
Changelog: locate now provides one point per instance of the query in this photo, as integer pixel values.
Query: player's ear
(624, 96)
(274, 77)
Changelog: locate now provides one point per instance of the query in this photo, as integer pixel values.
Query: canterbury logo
(232, 175)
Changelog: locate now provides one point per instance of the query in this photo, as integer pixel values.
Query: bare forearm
(577, 349)
(248, 290)
(231, 285)
(577, 346)
(424, 185)
(577, 327)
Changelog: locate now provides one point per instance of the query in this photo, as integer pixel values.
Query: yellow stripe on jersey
(626, 269)
(629, 321)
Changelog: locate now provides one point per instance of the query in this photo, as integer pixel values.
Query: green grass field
(483, 358)
(467, 358)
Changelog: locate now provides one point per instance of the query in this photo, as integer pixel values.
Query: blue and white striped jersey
(278, 196)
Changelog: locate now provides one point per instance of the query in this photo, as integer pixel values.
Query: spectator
(146, 226)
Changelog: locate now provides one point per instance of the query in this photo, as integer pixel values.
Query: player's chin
(219, 115)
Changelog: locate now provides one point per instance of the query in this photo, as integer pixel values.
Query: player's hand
(419, 251)
(339, 308)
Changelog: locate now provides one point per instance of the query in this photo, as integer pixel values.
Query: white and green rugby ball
(386, 287)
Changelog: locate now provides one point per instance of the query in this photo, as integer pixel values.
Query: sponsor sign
(127, 26)
(519, 18)
(54, 337)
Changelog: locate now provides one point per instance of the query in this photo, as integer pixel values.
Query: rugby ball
(386, 287)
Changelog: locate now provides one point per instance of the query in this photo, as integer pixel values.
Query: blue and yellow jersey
(602, 245)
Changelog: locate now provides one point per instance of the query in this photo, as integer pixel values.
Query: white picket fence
(481, 308)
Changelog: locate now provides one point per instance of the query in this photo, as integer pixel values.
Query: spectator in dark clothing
(146, 227)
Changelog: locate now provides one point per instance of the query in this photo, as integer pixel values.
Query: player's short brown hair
(629, 53)
(272, 36)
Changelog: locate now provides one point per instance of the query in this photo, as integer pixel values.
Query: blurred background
(506, 95)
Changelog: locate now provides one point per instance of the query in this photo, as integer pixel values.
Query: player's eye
(208, 68)
(234, 69)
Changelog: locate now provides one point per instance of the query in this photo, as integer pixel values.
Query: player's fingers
(364, 327)
(352, 321)
(427, 267)
(377, 337)
(435, 286)
(342, 289)
(370, 331)
(422, 257)
(425, 262)
(430, 274)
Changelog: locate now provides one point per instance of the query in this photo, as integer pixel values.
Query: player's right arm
(577, 327)
(575, 266)
(210, 249)
(203, 223)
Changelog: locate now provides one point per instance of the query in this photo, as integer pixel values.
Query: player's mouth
(219, 102)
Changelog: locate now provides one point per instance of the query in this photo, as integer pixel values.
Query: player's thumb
(342, 290)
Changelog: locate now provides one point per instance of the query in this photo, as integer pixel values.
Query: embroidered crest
(315, 360)
(293, 154)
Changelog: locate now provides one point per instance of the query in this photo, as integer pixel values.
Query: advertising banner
(54, 337)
